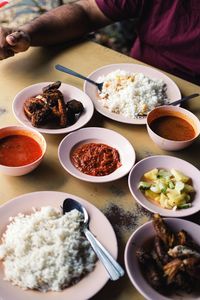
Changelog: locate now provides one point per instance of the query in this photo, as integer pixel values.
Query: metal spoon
(73, 73)
(186, 98)
(113, 268)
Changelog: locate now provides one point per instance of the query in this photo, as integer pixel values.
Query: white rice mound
(46, 250)
(131, 94)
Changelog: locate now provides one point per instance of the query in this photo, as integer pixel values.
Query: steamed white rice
(46, 250)
(131, 94)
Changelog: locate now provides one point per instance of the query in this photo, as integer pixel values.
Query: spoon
(183, 99)
(73, 73)
(113, 268)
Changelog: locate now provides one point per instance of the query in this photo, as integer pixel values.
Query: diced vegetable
(143, 185)
(151, 175)
(169, 188)
(179, 176)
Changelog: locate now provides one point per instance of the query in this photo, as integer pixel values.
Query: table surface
(113, 199)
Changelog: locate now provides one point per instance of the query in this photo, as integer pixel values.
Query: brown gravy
(173, 128)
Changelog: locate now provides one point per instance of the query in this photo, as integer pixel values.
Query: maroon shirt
(168, 33)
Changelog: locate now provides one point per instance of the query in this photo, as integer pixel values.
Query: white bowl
(170, 110)
(143, 234)
(19, 130)
(164, 162)
(97, 135)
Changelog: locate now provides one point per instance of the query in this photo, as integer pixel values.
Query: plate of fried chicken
(53, 107)
(162, 259)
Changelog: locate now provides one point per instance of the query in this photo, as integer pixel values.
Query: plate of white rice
(39, 247)
(130, 91)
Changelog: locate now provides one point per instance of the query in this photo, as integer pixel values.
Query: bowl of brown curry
(172, 127)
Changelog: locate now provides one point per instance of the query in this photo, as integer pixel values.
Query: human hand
(12, 42)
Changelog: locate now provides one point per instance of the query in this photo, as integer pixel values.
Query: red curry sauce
(173, 128)
(18, 150)
(96, 159)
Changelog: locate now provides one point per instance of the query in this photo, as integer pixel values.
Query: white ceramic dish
(165, 162)
(99, 224)
(97, 135)
(69, 92)
(137, 239)
(32, 133)
(170, 110)
(173, 91)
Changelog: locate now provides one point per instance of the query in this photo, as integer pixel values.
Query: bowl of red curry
(21, 150)
(96, 154)
(172, 127)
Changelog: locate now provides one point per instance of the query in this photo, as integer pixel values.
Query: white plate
(137, 239)
(165, 162)
(99, 224)
(69, 92)
(173, 91)
(97, 135)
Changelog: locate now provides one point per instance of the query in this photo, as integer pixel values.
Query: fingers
(19, 41)
(5, 51)
(12, 42)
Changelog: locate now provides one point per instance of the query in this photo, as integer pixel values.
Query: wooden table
(114, 199)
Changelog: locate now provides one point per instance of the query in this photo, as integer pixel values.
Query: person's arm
(62, 24)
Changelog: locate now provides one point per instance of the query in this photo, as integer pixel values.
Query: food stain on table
(2, 111)
(125, 220)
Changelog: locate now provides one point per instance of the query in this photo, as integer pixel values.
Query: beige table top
(114, 199)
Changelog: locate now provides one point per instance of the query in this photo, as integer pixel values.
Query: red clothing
(168, 34)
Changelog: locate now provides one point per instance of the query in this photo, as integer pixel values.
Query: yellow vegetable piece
(179, 176)
(151, 195)
(151, 175)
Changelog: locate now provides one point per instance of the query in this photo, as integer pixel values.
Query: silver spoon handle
(73, 73)
(113, 268)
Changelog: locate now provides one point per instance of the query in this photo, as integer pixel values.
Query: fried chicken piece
(168, 237)
(192, 267)
(185, 239)
(161, 250)
(55, 100)
(31, 105)
(52, 97)
(41, 117)
(50, 106)
(52, 86)
(172, 268)
(183, 252)
(62, 113)
(152, 272)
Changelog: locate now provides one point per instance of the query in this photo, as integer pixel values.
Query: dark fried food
(161, 250)
(75, 106)
(31, 105)
(152, 272)
(37, 111)
(41, 117)
(173, 259)
(50, 107)
(52, 86)
(163, 231)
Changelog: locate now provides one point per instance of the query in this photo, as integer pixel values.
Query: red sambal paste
(18, 150)
(96, 159)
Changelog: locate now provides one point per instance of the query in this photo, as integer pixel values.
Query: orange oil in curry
(18, 150)
(173, 128)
